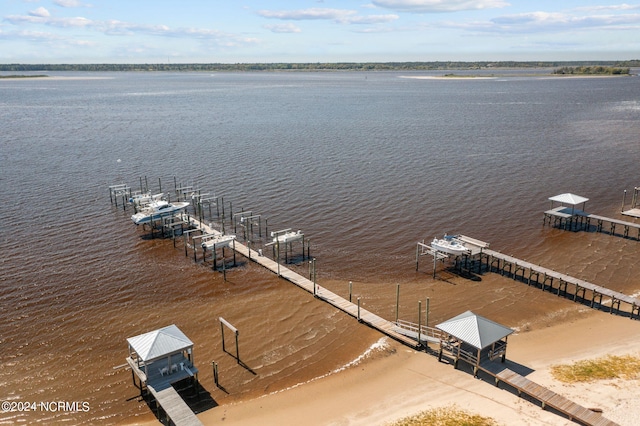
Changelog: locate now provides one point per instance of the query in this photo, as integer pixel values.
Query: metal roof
(475, 330)
(159, 343)
(568, 198)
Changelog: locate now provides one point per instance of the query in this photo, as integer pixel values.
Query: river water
(366, 164)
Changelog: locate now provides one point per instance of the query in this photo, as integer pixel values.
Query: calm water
(365, 164)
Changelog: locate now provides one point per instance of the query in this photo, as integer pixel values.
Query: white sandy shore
(400, 382)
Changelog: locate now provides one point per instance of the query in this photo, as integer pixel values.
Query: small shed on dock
(163, 349)
(469, 331)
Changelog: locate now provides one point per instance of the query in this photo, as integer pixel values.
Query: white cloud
(47, 20)
(342, 16)
(40, 12)
(438, 6)
(307, 14)
(69, 3)
(120, 28)
(283, 28)
(544, 21)
(540, 22)
(608, 7)
(372, 19)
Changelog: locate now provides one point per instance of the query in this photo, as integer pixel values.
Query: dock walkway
(175, 407)
(580, 286)
(566, 218)
(548, 398)
(362, 315)
(160, 386)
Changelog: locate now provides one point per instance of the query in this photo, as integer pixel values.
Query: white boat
(287, 237)
(156, 210)
(141, 200)
(449, 244)
(220, 241)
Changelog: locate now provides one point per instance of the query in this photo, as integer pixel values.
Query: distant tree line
(320, 66)
(592, 70)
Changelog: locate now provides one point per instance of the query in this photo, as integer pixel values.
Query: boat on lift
(218, 241)
(141, 200)
(157, 210)
(449, 244)
(287, 237)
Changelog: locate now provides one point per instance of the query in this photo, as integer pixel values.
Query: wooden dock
(175, 407)
(547, 397)
(546, 278)
(568, 219)
(160, 386)
(353, 309)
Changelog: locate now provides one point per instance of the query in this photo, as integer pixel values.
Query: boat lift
(473, 245)
(212, 242)
(285, 236)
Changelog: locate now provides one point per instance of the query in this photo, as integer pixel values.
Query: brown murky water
(365, 167)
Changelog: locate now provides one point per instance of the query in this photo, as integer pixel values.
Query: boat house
(159, 359)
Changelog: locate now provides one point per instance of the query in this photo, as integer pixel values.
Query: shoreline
(395, 382)
(51, 78)
(501, 76)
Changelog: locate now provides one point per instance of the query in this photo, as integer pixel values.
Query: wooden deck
(632, 212)
(548, 398)
(579, 286)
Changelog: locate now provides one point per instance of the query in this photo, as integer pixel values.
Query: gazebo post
(504, 353)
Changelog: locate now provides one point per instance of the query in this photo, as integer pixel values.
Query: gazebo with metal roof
(164, 349)
(569, 199)
(469, 331)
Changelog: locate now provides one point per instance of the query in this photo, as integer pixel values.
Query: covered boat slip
(160, 358)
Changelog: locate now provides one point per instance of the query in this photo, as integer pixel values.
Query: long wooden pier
(547, 277)
(354, 309)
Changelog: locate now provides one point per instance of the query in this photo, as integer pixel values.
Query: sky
(245, 31)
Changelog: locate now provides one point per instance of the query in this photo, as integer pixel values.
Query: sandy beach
(396, 381)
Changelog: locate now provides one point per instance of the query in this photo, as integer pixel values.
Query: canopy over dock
(469, 329)
(161, 343)
(475, 330)
(569, 199)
